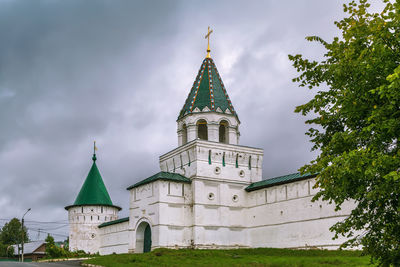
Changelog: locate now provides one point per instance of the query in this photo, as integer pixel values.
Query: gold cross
(208, 37)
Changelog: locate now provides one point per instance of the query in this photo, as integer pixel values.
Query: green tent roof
(93, 191)
(208, 90)
(279, 180)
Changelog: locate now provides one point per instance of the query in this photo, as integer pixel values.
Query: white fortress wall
(219, 214)
(284, 216)
(175, 217)
(114, 238)
(144, 207)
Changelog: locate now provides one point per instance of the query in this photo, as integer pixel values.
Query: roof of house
(168, 176)
(208, 91)
(93, 191)
(30, 247)
(279, 180)
(125, 219)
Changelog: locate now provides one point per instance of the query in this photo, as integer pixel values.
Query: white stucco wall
(83, 222)
(143, 207)
(114, 238)
(166, 207)
(284, 216)
(206, 159)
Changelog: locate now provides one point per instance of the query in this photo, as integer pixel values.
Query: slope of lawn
(236, 257)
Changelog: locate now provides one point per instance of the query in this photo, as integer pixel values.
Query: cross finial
(208, 37)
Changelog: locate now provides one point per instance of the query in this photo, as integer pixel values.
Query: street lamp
(23, 236)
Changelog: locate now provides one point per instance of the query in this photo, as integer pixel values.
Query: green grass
(237, 257)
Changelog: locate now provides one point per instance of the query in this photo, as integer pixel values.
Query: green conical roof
(208, 90)
(93, 191)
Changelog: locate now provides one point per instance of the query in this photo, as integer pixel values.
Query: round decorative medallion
(217, 170)
(235, 198)
(211, 196)
(241, 173)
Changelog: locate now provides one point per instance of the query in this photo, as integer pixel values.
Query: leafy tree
(52, 250)
(66, 244)
(357, 116)
(6, 250)
(49, 240)
(11, 233)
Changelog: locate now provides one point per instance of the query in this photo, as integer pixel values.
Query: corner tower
(92, 207)
(208, 113)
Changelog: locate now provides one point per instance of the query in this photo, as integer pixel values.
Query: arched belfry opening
(202, 130)
(184, 134)
(223, 132)
(143, 238)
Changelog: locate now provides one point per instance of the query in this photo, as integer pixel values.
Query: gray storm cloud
(118, 72)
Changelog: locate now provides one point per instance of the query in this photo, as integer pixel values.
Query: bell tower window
(184, 134)
(223, 132)
(202, 130)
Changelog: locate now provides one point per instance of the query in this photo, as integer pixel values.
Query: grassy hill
(237, 257)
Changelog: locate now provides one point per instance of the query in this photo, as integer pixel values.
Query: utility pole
(23, 236)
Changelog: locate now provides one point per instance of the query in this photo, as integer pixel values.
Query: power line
(36, 230)
(55, 228)
(54, 222)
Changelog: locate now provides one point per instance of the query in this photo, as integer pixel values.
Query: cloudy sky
(118, 72)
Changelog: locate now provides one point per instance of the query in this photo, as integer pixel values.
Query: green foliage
(49, 240)
(6, 250)
(357, 116)
(12, 234)
(52, 251)
(66, 244)
(235, 257)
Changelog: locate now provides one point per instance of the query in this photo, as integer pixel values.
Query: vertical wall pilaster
(213, 132)
(233, 136)
(180, 138)
(191, 132)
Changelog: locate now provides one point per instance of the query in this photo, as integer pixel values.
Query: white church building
(209, 192)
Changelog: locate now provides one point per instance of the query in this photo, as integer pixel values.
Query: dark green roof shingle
(168, 176)
(125, 219)
(278, 180)
(208, 90)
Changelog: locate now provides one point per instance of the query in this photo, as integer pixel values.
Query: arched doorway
(143, 238)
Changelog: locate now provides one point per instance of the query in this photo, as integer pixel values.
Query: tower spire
(208, 40)
(94, 151)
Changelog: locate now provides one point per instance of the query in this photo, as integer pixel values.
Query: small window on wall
(223, 132)
(184, 134)
(202, 130)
